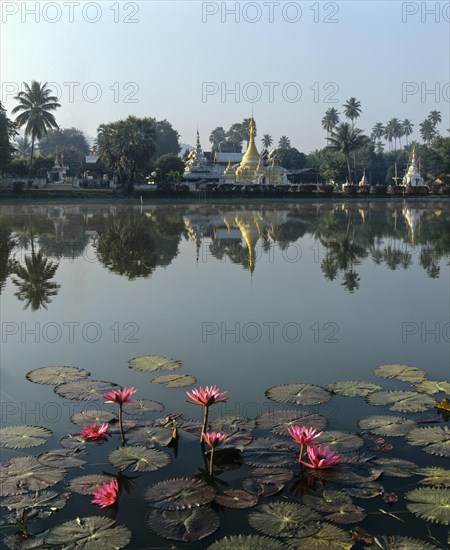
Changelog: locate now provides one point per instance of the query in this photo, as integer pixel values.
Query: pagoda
(412, 178)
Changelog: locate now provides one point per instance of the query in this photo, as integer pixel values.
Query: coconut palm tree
(284, 142)
(267, 141)
(427, 130)
(35, 104)
(407, 127)
(330, 120)
(396, 128)
(389, 134)
(377, 131)
(346, 139)
(435, 118)
(23, 146)
(352, 109)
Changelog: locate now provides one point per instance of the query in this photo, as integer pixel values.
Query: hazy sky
(288, 61)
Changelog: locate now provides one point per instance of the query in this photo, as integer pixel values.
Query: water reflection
(134, 241)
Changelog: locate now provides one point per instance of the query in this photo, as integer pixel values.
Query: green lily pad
(272, 475)
(89, 417)
(281, 519)
(138, 458)
(141, 406)
(435, 440)
(25, 474)
(246, 542)
(236, 498)
(185, 525)
(86, 485)
(84, 390)
(340, 441)
(430, 503)
(325, 537)
(396, 467)
(431, 387)
(393, 542)
(62, 458)
(402, 401)
(434, 476)
(152, 363)
(45, 502)
(90, 533)
(149, 435)
(280, 420)
(56, 375)
(300, 394)
(353, 388)
(263, 452)
(23, 437)
(401, 372)
(180, 494)
(387, 425)
(368, 490)
(175, 380)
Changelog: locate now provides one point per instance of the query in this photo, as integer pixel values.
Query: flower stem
(205, 422)
(301, 452)
(211, 458)
(120, 424)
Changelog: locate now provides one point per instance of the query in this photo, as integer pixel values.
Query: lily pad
(86, 485)
(185, 525)
(300, 394)
(90, 533)
(393, 542)
(56, 375)
(401, 372)
(42, 502)
(23, 437)
(329, 501)
(431, 387)
(138, 458)
(387, 425)
(180, 493)
(435, 440)
(230, 424)
(325, 537)
(353, 388)
(236, 498)
(62, 458)
(396, 467)
(149, 435)
(74, 442)
(281, 519)
(174, 380)
(152, 363)
(261, 489)
(269, 452)
(368, 490)
(272, 475)
(84, 390)
(141, 406)
(347, 513)
(25, 473)
(430, 503)
(246, 542)
(280, 420)
(402, 401)
(434, 476)
(340, 441)
(89, 417)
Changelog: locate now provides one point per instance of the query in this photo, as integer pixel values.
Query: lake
(247, 297)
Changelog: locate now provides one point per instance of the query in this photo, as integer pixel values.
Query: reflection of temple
(412, 217)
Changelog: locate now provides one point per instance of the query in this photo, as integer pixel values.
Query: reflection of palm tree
(6, 246)
(351, 280)
(35, 287)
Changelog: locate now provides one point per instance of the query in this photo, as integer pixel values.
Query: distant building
(93, 168)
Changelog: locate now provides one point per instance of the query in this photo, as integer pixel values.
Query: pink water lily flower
(94, 432)
(322, 457)
(214, 439)
(303, 435)
(207, 396)
(120, 396)
(106, 494)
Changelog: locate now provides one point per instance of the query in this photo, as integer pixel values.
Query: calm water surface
(247, 297)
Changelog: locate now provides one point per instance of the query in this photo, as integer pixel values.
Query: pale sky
(288, 61)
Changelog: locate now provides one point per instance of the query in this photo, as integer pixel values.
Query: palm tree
(407, 127)
(352, 109)
(346, 139)
(396, 129)
(377, 131)
(35, 104)
(389, 134)
(267, 141)
(330, 120)
(435, 118)
(427, 130)
(284, 142)
(23, 146)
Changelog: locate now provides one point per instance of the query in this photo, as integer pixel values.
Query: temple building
(412, 178)
(197, 167)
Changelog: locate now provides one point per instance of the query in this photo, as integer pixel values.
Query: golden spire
(251, 156)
